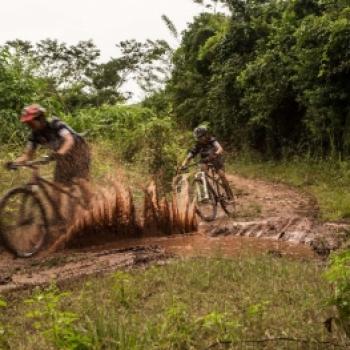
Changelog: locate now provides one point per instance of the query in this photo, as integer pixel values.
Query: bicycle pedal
(204, 200)
(229, 201)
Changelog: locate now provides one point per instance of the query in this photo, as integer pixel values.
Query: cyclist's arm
(68, 142)
(191, 154)
(28, 154)
(218, 148)
(187, 159)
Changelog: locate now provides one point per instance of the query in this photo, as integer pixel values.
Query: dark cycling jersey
(52, 135)
(75, 163)
(205, 149)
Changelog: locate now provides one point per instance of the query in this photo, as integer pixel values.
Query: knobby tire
(24, 211)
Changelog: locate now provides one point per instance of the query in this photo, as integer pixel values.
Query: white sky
(106, 22)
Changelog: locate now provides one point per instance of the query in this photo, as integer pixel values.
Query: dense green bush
(136, 134)
(19, 86)
(121, 124)
(339, 274)
(273, 76)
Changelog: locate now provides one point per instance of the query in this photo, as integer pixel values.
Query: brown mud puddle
(72, 264)
(200, 244)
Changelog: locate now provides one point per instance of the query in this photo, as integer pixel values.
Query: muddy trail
(278, 212)
(271, 219)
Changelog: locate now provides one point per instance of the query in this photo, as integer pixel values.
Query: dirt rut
(278, 212)
(63, 267)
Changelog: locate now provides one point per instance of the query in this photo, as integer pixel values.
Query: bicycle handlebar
(29, 164)
(184, 169)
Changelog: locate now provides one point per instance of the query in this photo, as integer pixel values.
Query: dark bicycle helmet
(200, 131)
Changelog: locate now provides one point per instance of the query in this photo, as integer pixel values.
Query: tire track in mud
(62, 268)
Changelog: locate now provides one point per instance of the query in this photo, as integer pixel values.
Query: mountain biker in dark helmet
(210, 151)
(70, 150)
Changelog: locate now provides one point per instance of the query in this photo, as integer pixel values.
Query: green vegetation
(189, 304)
(339, 274)
(136, 134)
(272, 76)
(66, 78)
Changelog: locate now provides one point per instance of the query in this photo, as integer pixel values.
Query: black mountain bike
(208, 191)
(27, 212)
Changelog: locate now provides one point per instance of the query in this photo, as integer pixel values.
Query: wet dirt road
(271, 218)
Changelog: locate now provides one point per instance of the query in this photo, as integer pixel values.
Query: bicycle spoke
(228, 204)
(23, 222)
(206, 204)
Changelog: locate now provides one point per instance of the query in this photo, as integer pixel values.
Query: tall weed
(3, 331)
(57, 326)
(339, 274)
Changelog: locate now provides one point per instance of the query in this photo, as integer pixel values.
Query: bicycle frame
(42, 183)
(203, 176)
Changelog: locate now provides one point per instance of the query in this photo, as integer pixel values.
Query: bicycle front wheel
(227, 204)
(23, 222)
(206, 206)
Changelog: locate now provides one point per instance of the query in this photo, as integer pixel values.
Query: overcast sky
(105, 21)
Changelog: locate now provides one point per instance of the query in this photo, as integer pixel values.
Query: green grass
(189, 304)
(328, 181)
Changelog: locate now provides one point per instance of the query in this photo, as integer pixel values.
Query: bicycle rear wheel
(206, 208)
(23, 222)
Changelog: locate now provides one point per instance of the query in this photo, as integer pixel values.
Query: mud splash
(97, 237)
(112, 215)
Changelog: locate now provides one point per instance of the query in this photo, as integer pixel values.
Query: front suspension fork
(202, 186)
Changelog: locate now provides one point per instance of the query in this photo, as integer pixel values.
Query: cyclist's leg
(204, 167)
(63, 170)
(220, 169)
(75, 164)
(225, 183)
(83, 157)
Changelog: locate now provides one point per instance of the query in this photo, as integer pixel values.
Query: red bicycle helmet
(32, 112)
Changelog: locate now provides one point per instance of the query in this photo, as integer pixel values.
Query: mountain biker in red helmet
(70, 150)
(210, 151)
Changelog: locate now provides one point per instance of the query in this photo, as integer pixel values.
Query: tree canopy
(272, 76)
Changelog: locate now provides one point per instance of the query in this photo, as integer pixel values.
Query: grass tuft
(188, 304)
